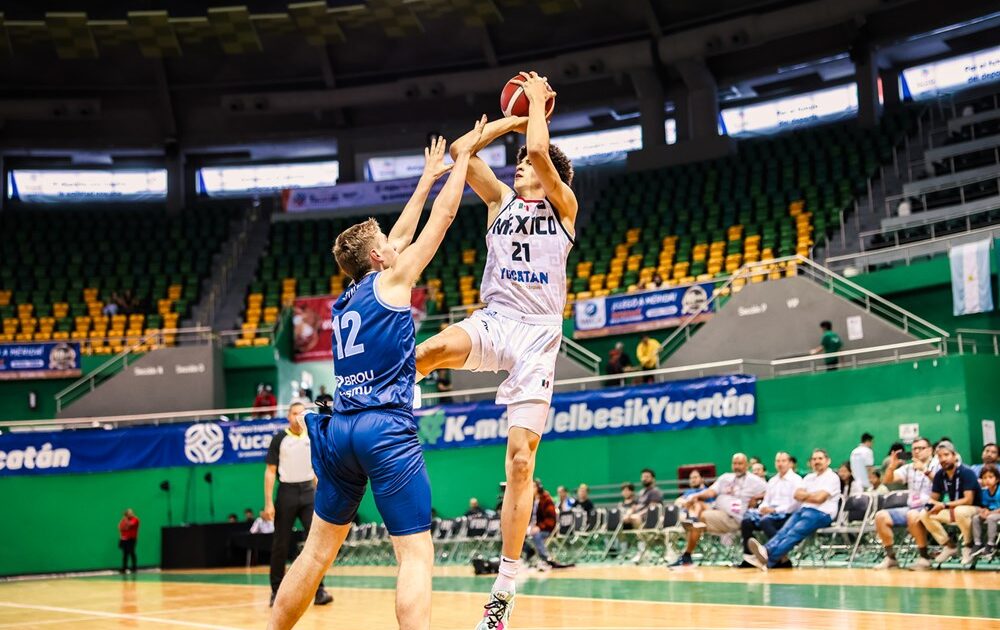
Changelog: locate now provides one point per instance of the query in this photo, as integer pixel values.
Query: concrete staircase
(251, 243)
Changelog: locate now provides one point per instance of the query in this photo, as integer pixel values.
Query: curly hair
(562, 163)
(352, 246)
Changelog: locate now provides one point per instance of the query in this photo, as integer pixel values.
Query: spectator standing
(830, 342)
(862, 458)
(777, 506)
(265, 398)
(565, 502)
(819, 495)
(583, 498)
(289, 461)
(955, 495)
(989, 513)
(128, 536)
(990, 456)
(647, 352)
(917, 477)
(618, 361)
(324, 398)
(732, 493)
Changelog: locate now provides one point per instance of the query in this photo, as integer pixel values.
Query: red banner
(312, 330)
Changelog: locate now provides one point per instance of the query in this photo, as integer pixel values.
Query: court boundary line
(648, 601)
(110, 615)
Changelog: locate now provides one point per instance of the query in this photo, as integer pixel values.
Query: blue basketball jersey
(374, 355)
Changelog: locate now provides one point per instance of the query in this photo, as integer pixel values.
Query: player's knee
(521, 465)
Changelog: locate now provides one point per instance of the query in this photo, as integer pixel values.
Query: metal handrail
(89, 380)
(144, 418)
(585, 357)
(962, 333)
(925, 246)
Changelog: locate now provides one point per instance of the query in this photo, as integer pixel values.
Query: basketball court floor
(582, 598)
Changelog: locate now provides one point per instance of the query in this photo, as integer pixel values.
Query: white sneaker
(946, 554)
(922, 564)
(967, 556)
(760, 553)
(496, 613)
(887, 563)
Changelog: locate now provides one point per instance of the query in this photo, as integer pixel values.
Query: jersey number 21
(351, 323)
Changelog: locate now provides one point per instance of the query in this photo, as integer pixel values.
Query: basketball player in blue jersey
(529, 235)
(371, 433)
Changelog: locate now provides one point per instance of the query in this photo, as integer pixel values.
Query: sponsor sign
(637, 312)
(57, 359)
(705, 402)
(364, 194)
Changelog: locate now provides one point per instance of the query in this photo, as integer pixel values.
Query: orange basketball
(513, 102)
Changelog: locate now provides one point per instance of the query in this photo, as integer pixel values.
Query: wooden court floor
(582, 598)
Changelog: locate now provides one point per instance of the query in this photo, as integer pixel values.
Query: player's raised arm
(402, 232)
(410, 264)
(480, 176)
(537, 90)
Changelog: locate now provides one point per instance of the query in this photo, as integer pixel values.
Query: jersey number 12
(351, 322)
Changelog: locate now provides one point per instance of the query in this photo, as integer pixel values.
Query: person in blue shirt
(955, 496)
(369, 431)
(989, 513)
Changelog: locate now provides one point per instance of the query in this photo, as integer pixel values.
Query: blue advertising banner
(705, 402)
(57, 359)
(637, 312)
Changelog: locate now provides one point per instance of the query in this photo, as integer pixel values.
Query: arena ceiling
(141, 74)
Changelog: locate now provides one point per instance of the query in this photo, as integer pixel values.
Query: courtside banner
(705, 402)
(97, 450)
(39, 360)
(637, 312)
(362, 194)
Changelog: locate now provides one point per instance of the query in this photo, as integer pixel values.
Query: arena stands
(67, 264)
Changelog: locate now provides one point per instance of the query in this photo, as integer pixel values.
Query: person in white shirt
(862, 458)
(778, 504)
(732, 493)
(262, 524)
(819, 494)
(918, 476)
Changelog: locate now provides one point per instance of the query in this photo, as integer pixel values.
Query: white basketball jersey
(527, 247)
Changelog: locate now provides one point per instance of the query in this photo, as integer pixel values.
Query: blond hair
(352, 247)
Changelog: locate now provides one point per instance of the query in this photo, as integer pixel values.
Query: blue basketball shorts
(380, 445)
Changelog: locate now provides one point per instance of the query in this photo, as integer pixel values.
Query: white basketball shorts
(512, 342)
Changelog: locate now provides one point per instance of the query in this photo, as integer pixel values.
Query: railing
(861, 261)
(977, 176)
(976, 341)
(577, 353)
(933, 222)
(114, 422)
(229, 337)
(120, 361)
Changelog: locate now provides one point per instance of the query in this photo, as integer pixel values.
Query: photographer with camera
(917, 472)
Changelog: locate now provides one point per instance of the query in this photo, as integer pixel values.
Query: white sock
(508, 571)
(420, 376)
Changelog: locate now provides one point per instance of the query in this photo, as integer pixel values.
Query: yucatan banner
(646, 310)
(58, 359)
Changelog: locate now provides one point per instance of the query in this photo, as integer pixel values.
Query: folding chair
(611, 530)
(648, 532)
(854, 520)
(565, 529)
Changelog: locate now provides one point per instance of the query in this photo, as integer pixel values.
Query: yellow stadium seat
(261, 341)
(243, 343)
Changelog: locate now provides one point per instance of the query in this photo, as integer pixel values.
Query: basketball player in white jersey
(529, 234)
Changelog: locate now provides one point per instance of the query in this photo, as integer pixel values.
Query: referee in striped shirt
(289, 461)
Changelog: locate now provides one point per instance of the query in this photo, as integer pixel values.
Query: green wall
(14, 394)
(245, 368)
(945, 396)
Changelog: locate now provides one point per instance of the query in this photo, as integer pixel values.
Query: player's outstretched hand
(474, 136)
(536, 88)
(434, 166)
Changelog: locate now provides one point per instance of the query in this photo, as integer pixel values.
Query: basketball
(513, 102)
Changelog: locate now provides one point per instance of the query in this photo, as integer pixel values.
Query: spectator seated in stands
(474, 509)
(543, 523)
(990, 456)
(262, 524)
(849, 486)
(887, 477)
(232, 518)
(696, 483)
(777, 506)
(819, 496)
(917, 477)
(564, 502)
(650, 495)
(248, 516)
(989, 514)
(875, 482)
(583, 499)
(759, 469)
(656, 282)
(628, 503)
(732, 493)
(955, 496)
(111, 307)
